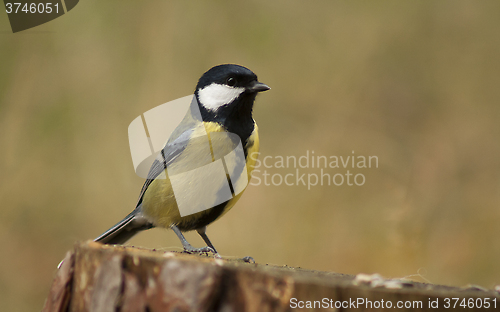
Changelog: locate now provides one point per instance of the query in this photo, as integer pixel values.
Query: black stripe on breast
(205, 219)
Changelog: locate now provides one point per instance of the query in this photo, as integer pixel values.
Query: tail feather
(125, 229)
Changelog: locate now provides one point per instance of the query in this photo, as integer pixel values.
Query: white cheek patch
(215, 95)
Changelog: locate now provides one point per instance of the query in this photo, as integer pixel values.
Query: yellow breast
(159, 204)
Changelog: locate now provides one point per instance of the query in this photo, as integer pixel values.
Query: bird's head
(228, 89)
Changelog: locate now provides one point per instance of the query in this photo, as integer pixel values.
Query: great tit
(222, 104)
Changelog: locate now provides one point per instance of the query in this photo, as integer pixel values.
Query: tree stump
(96, 277)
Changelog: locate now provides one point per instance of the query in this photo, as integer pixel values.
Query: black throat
(235, 117)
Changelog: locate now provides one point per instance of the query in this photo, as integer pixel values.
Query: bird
(221, 111)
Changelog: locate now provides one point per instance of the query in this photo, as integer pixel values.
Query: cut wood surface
(96, 277)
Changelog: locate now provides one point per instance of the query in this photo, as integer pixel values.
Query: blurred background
(414, 83)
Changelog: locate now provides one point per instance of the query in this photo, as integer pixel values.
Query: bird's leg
(187, 246)
(202, 232)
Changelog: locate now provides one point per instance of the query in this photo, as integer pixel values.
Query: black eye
(231, 81)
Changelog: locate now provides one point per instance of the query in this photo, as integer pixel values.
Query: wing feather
(165, 157)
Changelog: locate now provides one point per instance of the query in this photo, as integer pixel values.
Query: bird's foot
(248, 259)
(190, 249)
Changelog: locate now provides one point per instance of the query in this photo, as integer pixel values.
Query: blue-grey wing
(165, 157)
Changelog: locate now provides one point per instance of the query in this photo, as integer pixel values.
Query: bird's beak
(258, 87)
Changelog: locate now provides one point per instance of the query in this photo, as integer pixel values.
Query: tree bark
(96, 277)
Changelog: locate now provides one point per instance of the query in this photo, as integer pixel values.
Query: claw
(191, 249)
(248, 259)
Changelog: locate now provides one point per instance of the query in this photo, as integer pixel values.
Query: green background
(414, 83)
